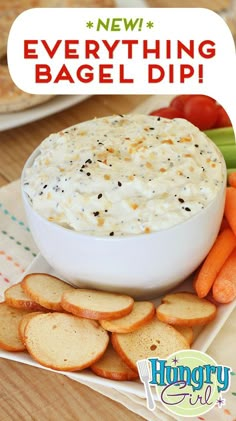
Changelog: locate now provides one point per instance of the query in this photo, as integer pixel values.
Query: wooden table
(28, 393)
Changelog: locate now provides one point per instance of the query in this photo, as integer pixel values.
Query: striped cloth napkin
(17, 251)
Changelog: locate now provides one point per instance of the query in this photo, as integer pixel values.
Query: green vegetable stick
(222, 136)
(229, 153)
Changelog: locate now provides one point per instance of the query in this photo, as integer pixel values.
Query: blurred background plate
(59, 103)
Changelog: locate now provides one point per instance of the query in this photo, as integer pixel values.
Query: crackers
(16, 297)
(185, 309)
(111, 366)
(97, 305)
(46, 290)
(71, 342)
(141, 313)
(155, 339)
(9, 322)
(65, 342)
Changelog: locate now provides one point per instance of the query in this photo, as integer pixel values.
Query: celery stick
(230, 170)
(229, 153)
(222, 136)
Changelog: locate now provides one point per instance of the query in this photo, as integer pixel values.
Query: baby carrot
(232, 179)
(224, 224)
(230, 207)
(220, 251)
(224, 287)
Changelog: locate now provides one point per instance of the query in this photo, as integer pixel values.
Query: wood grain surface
(216, 5)
(29, 393)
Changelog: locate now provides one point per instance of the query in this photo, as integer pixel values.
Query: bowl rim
(115, 239)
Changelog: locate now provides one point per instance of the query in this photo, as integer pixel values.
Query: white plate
(201, 343)
(54, 105)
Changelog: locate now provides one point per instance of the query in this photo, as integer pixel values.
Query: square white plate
(202, 342)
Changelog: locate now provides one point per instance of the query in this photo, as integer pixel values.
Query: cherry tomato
(168, 112)
(201, 111)
(205, 96)
(223, 119)
(179, 101)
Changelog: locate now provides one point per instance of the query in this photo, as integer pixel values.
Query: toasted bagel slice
(111, 366)
(142, 312)
(98, 305)
(65, 342)
(16, 297)
(9, 324)
(155, 339)
(45, 290)
(185, 309)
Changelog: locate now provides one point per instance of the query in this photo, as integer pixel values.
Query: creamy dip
(124, 175)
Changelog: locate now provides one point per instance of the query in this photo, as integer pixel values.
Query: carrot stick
(232, 179)
(230, 207)
(224, 287)
(220, 251)
(224, 224)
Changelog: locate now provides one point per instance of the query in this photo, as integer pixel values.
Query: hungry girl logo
(189, 383)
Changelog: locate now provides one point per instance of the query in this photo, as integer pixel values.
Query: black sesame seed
(45, 186)
(119, 184)
(196, 146)
(121, 115)
(88, 174)
(188, 209)
(111, 234)
(62, 191)
(100, 196)
(151, 128)
(158, 118)
(89, 161)
(180, 200)
(81, 170)
(96, 213)
(40, 194)
(106, 210)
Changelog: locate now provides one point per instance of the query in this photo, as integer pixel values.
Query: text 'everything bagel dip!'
(124, 175)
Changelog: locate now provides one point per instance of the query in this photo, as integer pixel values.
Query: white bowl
(143, 265)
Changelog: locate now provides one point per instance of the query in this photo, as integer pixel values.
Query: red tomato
(179, 101)
(168, 112)
(223, 119)
(201, 111)
(205, 96)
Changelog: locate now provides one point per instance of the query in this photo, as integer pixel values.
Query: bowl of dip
(127, 203)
